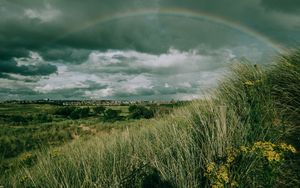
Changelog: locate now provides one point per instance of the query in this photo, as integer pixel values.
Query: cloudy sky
(135, 49)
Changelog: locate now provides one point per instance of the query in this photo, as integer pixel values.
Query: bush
(18, 119)
(138, 112)
(72, 112)
(112, 115)
(99, 110)
(263, 160)
(43, 118)
(11, 146)
(64, 111)
(80, 113)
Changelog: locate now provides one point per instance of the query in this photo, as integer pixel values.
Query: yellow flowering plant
(252, 82)
(55, 153)
(249, 83)
(218, 174)
(269, 157)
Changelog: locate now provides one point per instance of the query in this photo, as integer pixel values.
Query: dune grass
(236, 138)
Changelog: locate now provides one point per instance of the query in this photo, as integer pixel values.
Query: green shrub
(112, 115)
(18, 119)
(79, 113)
(138, 112)
(43, 118)
(64, 111)
(10, 146)
(263, 161)
(99, 110)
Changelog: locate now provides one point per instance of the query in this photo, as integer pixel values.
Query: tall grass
(252, 104)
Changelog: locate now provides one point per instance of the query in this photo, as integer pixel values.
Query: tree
(99, 110)
(138, 112)
(112, 115)
(80, 113)
(64, 111)
(132, 108)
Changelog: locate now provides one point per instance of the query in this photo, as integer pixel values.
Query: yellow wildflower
(272, 156)
(244, 149)
(24, 179)
(55, 153)
(249, 83)
(283, 146)
(222, 174)
(263, 146)
(292, 149)
(217, 185)
(234, 184)
(230, 159)
(210, 167)
(286, 147)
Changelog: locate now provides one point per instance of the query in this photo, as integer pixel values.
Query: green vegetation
(138, 112)
(112, 115)
(30, 127)
(240, 137)
(99, 109)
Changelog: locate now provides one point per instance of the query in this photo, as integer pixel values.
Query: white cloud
(170, 59)
(107, 92)
(185, 84)
(137, 82)
(45, 15)
(131, 74)
(33, 59)
(65, 79)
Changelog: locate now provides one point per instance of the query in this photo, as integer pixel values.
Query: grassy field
(28, 128)
(245, 135)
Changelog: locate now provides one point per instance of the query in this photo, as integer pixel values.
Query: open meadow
(28, 128)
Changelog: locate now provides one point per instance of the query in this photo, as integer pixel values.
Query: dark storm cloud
(9, 53)
(38, 25)
(27, 93)
(66, 55)
(273, 18)
(291, 6)
(65, 94)
(20, 93)
(29, 70)
(3, 75)
(24, 91)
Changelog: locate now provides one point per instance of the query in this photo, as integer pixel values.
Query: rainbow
(176, 12)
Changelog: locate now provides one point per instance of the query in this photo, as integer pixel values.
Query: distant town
(92, 102)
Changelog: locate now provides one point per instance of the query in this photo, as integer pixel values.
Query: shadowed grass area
(236, 138)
